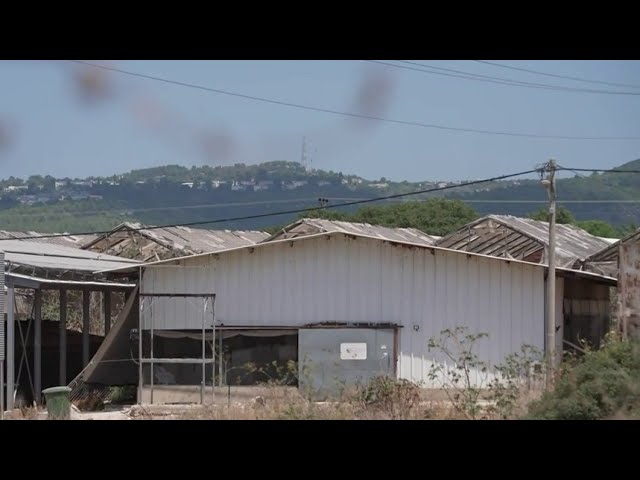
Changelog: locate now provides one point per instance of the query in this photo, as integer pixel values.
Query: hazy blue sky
(49, 125)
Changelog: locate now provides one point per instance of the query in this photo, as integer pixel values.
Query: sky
(65, 119)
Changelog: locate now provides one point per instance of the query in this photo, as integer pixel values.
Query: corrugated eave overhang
(28, 281)
(57, 257)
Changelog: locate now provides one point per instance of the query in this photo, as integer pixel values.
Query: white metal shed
(337, 278)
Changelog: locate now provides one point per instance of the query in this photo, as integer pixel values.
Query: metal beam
(63, 337)
(11, 344)
(37, 346)
(1, 387)
(29, 281)
(86, 296)
(140, 307)
(107, 312)
(92, 288)
(195, 295)
(186, 361)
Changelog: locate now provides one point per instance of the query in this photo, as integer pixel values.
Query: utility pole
(550, 183)
(304, 159)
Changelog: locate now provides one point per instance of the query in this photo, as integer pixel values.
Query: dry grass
(23, 413)
(383, 398)
(278, 404)
(274, 403)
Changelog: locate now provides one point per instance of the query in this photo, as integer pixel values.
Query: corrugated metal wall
(346, 279)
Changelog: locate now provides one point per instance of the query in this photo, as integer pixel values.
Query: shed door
(330, 358)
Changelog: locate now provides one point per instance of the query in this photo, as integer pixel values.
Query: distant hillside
(177, 194)
(611, 197)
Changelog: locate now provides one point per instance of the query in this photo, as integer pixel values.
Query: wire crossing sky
(471, 120)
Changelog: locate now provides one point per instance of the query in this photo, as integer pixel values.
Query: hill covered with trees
(178, 194)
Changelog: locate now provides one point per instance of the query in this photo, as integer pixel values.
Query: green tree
(627, 229)
(436, 216)
(563, 215)
(34, 182)
(327, 215)
(49, 184)
(598, 228)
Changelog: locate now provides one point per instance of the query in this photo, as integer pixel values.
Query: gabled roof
(302, 238)
(172, 240)
(310, 226)
(523, 239)
(74, 241)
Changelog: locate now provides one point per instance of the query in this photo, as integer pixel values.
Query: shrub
(601, 384)
(477, 389)
(388, 396)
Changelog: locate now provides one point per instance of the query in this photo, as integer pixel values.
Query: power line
(537, 72)
(349, 114)
(466, 75)
(477, 76)
(497, 80)
(622, 204)
(180, 207)
(308, 199)
(288, 212)
(82, 213)
(598, 170)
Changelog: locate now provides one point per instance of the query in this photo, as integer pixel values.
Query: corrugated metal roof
(74, 241)
(58, 257)
(562, 271)
(125, 240)
(310, 226)
(523, 238)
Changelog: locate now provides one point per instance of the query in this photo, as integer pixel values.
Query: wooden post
(37, 346)
(11, 345)
(86, 296)
(107, 311)
(63, 337)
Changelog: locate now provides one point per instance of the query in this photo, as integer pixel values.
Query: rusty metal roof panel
(310, 226)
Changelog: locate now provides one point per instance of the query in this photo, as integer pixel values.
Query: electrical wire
(537, 72)
(121, 211)
(297, 200)
(498, 80)
(622, 203)
(349, 114)
(596, 170)
(288, 212)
